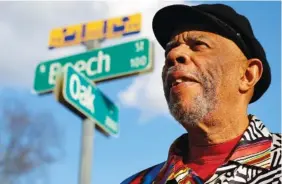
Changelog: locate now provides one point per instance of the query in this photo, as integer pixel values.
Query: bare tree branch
(29, 141)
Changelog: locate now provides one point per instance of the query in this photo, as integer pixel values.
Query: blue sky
(147, 130)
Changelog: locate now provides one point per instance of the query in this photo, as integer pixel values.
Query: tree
(29, 142)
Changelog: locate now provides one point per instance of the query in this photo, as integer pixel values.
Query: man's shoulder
(145, 176)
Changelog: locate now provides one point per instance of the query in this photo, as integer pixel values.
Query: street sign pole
(81, 96)
(87, 137)
(86, 154)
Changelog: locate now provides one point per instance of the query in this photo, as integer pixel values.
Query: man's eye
(197, 45)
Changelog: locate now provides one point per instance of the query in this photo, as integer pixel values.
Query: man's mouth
(175, 80)
(180, 81)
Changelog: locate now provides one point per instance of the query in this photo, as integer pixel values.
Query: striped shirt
(256, 159)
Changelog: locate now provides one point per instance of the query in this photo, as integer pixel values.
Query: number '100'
(138, 61)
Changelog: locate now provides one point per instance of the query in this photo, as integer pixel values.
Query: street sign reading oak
(82, 96)
(100, 64)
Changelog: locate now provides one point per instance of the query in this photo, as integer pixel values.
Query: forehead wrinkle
(186, 36)
(196, 35)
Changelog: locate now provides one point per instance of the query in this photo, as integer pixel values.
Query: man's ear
(251, 75)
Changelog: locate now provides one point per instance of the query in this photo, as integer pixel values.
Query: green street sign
(82, 97)
(99, 64)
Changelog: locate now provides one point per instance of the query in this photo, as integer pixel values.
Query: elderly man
(214, 67)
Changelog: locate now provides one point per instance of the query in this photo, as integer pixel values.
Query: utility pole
(87, 136)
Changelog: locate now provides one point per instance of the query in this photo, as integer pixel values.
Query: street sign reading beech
(99, 64)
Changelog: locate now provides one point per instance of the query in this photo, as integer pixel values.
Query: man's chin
(181, 113)
(188, 113)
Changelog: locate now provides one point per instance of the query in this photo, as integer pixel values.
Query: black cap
(220, 19)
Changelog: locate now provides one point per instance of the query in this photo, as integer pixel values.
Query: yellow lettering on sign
(133, 25)
(65, 36)
(114, 28)
(94, 31)
(121, 26)
(111, 28)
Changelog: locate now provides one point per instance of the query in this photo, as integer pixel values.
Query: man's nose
(177, 56)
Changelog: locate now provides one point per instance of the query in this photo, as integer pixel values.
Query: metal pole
(87, 144)
(87, 137)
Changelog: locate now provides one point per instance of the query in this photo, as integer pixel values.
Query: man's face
(201, 71)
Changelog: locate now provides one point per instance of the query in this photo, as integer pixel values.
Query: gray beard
(190, 116)
(200, 106)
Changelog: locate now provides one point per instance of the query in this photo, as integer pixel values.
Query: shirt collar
(254, 149)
